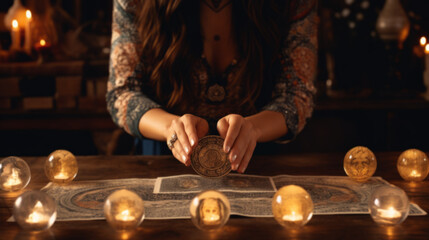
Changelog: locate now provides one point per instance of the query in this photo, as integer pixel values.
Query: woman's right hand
(188, 129)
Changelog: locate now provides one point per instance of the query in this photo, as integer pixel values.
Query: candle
(125, 216)
(61, 175)
(13, 180)
(293, 217)
(423, 41)
(37, 216)
(414, 173)
(389, 213)
(28, 41)
(15, 34)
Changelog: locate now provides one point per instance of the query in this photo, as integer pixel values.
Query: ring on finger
(173, 139)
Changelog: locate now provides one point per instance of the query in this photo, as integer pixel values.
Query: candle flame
(423, 41)
(15, 24)
(42, 42)
(427, 49)
(28, 14)
(13, 179)
(125, 216)
(36, 216)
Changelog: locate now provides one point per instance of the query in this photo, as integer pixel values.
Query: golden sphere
(61, 166)
(292, 206)
(360, 163)
(413, 165)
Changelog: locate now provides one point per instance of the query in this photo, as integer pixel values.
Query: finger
(179, 153)
(179, 129)
(247, 156)
(234, 128)
(202, 128)
(222, 127)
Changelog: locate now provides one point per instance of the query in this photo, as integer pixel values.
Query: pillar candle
(28, 39)
(16, 36)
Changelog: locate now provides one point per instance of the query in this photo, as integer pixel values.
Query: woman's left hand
(240, 140)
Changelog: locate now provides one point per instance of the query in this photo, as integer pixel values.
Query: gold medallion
(208, 158)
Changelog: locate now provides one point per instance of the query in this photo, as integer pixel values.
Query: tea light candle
(15, 35)
(423, 41)
(35, 211)
(389, 213)
(61, 175)
(389, 205)
(124, 210)
(413, 165)
(292, 206)
(28, 39)
(61, 166)
(210, 210)
(14, 174)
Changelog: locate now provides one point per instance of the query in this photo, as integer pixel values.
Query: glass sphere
(124, 210)
(389, 205)
(61, 166)
(14, 174)
(35, 211)
(292, 206)
(360, 163)
(210, 210)
(413, 165)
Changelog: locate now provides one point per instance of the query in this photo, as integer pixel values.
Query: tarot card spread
(249, 195)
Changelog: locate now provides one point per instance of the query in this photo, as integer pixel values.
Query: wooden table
(320, 227)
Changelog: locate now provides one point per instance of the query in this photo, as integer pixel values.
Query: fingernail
(233, 157)
(187, 150)
(236, 166)
(227, 148)
(184, 158)
(192, 142)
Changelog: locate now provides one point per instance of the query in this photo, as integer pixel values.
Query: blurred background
(371, 79)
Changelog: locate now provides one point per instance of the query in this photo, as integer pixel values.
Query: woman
(183, 69)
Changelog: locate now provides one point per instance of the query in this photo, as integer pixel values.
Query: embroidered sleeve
(294, 88)
(125, 97)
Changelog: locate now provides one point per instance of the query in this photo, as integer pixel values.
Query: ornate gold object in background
(360, 163)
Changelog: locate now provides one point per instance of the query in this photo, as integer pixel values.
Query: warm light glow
(36, 216)
(28, 14)
(13, 179)
(423, 41)
(15, 24)
(61, 175)
(42, 42)
(414, 173)
(427, 49)
(125, 216)
(293, 217)
(389, 213)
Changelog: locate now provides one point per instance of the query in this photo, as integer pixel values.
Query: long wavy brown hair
(172, 43)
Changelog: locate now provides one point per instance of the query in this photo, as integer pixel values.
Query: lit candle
(389, 213)
(28, 41)
(37, 216)
(13, 180)
(414, 173)
(15, 34)
(293, 217)
(61, 175)
(423, 41)
(125, 216)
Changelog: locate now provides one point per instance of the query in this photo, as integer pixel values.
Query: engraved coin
(208, 158)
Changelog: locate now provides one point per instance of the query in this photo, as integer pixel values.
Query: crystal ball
(61, 166)
(35, 211)
(124, 210)
(360, 163)
(389, 205)
(292, 206)
(210, 210)
(413, 165)
(14, 174)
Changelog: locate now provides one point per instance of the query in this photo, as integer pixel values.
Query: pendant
(216, 93)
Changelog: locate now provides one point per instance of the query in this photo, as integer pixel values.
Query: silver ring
(172, 140)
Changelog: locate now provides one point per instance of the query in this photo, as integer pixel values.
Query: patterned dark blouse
(292, 93)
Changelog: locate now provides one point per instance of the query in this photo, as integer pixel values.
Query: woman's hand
(188, 129)
(241, 137)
